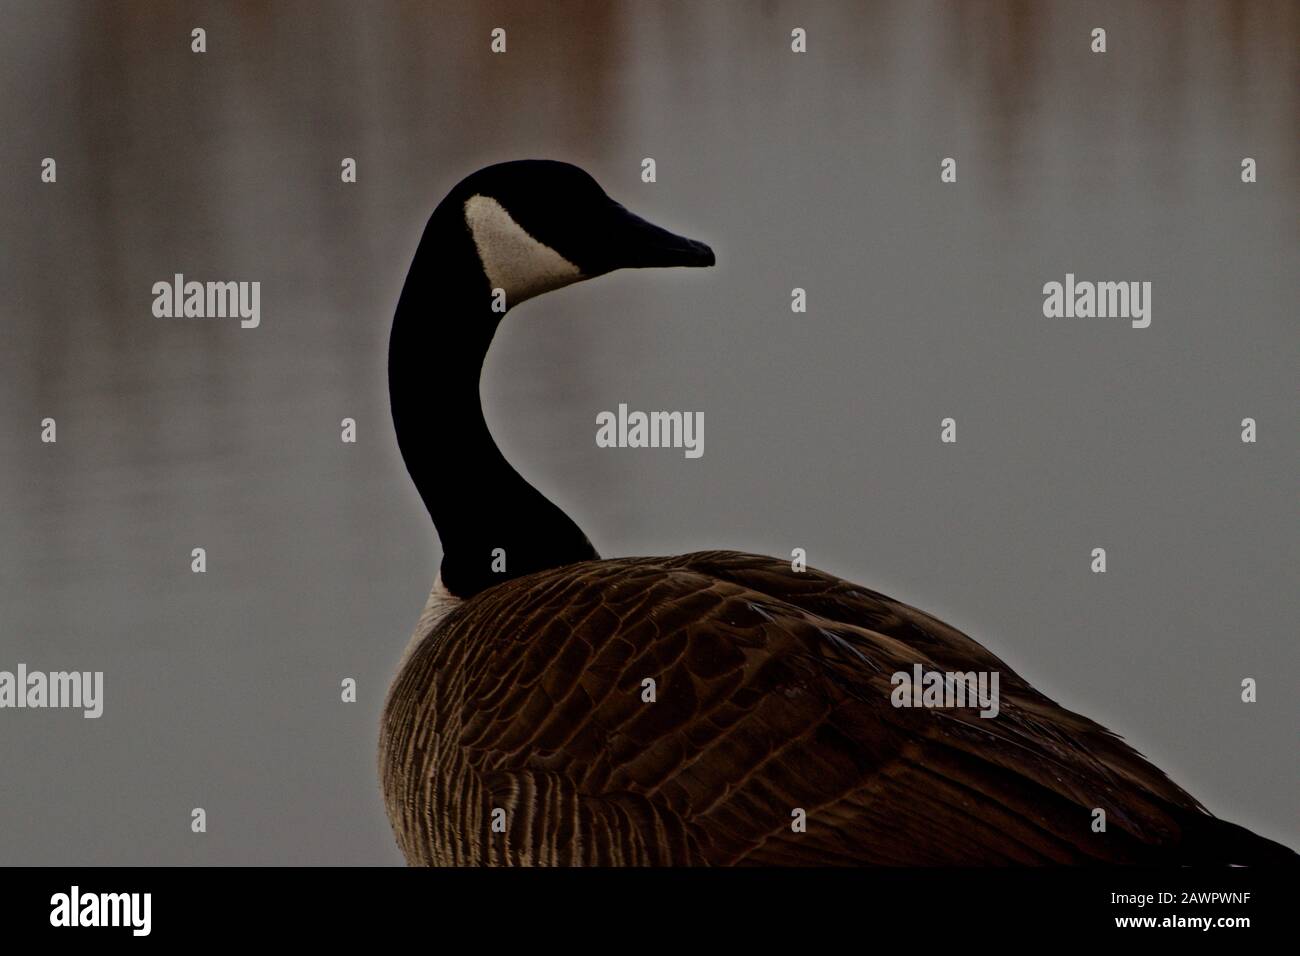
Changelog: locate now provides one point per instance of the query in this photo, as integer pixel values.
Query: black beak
(634, 243)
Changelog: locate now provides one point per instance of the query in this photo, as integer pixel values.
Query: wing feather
(772, 695)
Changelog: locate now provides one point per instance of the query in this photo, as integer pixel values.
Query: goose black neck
(487, 516)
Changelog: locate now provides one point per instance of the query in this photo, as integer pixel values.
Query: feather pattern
(772, 695)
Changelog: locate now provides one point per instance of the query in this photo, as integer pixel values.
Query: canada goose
(516, 730)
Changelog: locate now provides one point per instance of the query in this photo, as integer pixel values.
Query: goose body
(696, 709)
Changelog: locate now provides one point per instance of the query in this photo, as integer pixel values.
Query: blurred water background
(819, 171)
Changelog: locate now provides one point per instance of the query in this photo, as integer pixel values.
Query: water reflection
(818, 171)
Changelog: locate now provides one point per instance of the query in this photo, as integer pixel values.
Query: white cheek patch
(512, 259)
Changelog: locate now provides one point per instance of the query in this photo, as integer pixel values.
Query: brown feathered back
(772, 695)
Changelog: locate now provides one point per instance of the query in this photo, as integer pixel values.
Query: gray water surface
(819, 171)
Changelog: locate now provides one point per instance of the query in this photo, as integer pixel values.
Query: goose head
(504, 234)
(538, 225)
